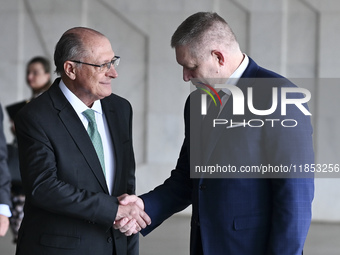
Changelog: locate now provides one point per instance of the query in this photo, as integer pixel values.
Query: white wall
(297, 38)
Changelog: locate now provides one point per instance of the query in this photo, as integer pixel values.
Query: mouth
(108, 83)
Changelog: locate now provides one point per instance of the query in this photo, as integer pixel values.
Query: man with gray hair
(233, 213)
(76, 156)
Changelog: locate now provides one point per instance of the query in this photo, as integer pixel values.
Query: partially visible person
(5, 183)
(38, 77)
(76, 155)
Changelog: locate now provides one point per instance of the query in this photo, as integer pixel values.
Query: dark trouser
(196, 247)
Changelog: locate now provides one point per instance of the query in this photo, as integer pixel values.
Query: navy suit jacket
(245, 216)
(5, 179)
(68, 208)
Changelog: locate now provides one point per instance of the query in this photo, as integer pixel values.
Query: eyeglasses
(103, 67)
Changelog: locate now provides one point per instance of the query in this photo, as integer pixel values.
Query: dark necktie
(207, 122)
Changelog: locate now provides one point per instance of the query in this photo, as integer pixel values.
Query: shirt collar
(76, 103)
(237, 74)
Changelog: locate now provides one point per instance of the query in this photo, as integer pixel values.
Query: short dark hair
(201, 28)
(70, 46)
(43, 61)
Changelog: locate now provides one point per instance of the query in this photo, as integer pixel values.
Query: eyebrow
(107, 60)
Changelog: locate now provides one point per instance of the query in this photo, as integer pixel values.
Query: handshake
(131, 218)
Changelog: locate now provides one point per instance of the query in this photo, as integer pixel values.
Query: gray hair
(71, 46)
(201, 30)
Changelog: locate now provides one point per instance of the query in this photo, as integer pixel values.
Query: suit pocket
(250, 222)
(58, 241)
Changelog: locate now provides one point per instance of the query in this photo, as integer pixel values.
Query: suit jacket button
(109, 239)
(202, 187)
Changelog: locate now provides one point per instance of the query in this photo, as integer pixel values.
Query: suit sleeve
(131, 187)
(133, 240)
(291, 197)
(5, 179)
(175, 193)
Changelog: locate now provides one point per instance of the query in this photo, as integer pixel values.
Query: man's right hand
(131, 217)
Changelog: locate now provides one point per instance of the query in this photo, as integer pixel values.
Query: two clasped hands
(131, 218)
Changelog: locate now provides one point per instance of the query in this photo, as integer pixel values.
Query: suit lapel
(112, 117)
(77, 132)
(217, 131)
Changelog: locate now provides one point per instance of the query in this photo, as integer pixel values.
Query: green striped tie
(95, 136)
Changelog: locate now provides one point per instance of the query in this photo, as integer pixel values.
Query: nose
(112, 73)
(187, 76)
(30, 77)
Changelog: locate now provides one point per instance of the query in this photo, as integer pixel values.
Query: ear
(70, 69)
(219, 57)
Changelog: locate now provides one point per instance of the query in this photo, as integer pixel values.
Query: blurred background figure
(5, 202)
(38, 78)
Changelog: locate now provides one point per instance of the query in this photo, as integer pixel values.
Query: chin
(107, 93)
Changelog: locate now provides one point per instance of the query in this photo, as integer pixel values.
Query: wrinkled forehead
(99, 48)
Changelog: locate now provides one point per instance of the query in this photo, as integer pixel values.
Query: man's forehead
(185, 57)
(100, 49)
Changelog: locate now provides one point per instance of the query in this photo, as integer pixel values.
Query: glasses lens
(116, 62)
(107, 66)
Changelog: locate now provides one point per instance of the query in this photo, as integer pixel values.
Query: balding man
(76, 155)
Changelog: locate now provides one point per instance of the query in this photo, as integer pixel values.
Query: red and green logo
(209, 93)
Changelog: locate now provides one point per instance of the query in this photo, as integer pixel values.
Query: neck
(235, 61)
(78, 91)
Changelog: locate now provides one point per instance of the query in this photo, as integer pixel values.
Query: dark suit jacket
(68, 209)
(5, 179)
(245, 216)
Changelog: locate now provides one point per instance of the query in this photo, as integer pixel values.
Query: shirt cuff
(4, 210)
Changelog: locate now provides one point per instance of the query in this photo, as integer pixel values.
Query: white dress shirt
(103, 130)
(237, 74)
(233, 79)
(4, 210)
